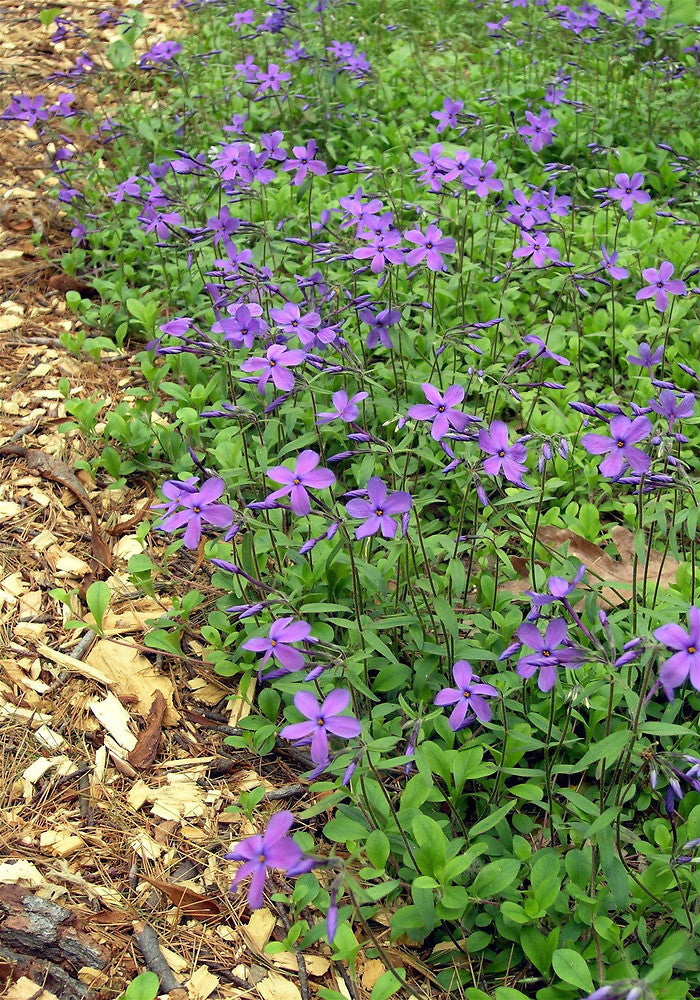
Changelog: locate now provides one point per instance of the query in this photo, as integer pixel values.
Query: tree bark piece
(37, 925)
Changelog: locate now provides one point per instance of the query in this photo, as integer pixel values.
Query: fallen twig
(147, 941)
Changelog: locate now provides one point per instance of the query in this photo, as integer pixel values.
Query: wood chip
(132, 675)
(201, 983)
(276, 987)
(112, 715)
(259, 928)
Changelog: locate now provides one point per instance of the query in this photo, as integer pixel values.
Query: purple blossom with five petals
(538, 249)
(429, 247)
(447, 118)
(272, 849)
(480, 177)
(504, 458)
(379, 333)
(440, 409)
(304, 162)
(647, 358)
(661, 285)
(378, 510)
(322, 720)
(672, 407)
(468, 697)
(628, 191)
(549, 653)
(199, 506)
(619, 448)
(297, 481)
(685, 662)
(346, 408)
(277, 644)
(275, 365)
(539, 132)
(611, 266)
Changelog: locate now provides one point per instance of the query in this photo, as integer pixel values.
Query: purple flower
(672, 407)
(379, 333)
(296, 481)
(628, 190)
(159, 53)
(440, 409)
(447, 118)
(277, 644)
(660, 285)
(434, 168)
(275, 365)
(377, 511)
(469, 697)
(304, 162)
(198, 506)
(243, 326)
(548, 652)
(479, 177)
(223, 225)
(647, 358)
(23, 108)
(539, 132)
(273, 849)
(291, 321)
(611, 266)
(527, 211)
(506, 459)
(130, 187)
(558, 590)
(537, 247)
(532, 338)
(685, 662)
(346, 408)
(381, 248)
(322, 720)
(242, 18)
(619, 447)
(272, 79)
(429, 247)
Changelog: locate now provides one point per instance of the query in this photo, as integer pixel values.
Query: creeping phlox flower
(549, 652)
(322, 720)
(685, 663)
(278, 644)
(296, 481)
(661, 285)
(430, 246)
(304, 162)
(379, 509)
(623, 989)
(558, 589)
(619, 448)
(647, 358)
(271, 849)
(346, 408)
(628, 191)
(503, 458)
(275, 365)
(539, 131)
(199, 507)
(468, 697)
(440, 410)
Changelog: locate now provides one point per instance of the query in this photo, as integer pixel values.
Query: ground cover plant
(415, 288)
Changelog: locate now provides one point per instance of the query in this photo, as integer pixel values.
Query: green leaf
(572, 968)
(495, 877)
(489, 821)
(607, 749)
(538, 949)
(120, 54)
(144, 987)
(47, 16)
(387, 984)
(377, 848)
(97, 599)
